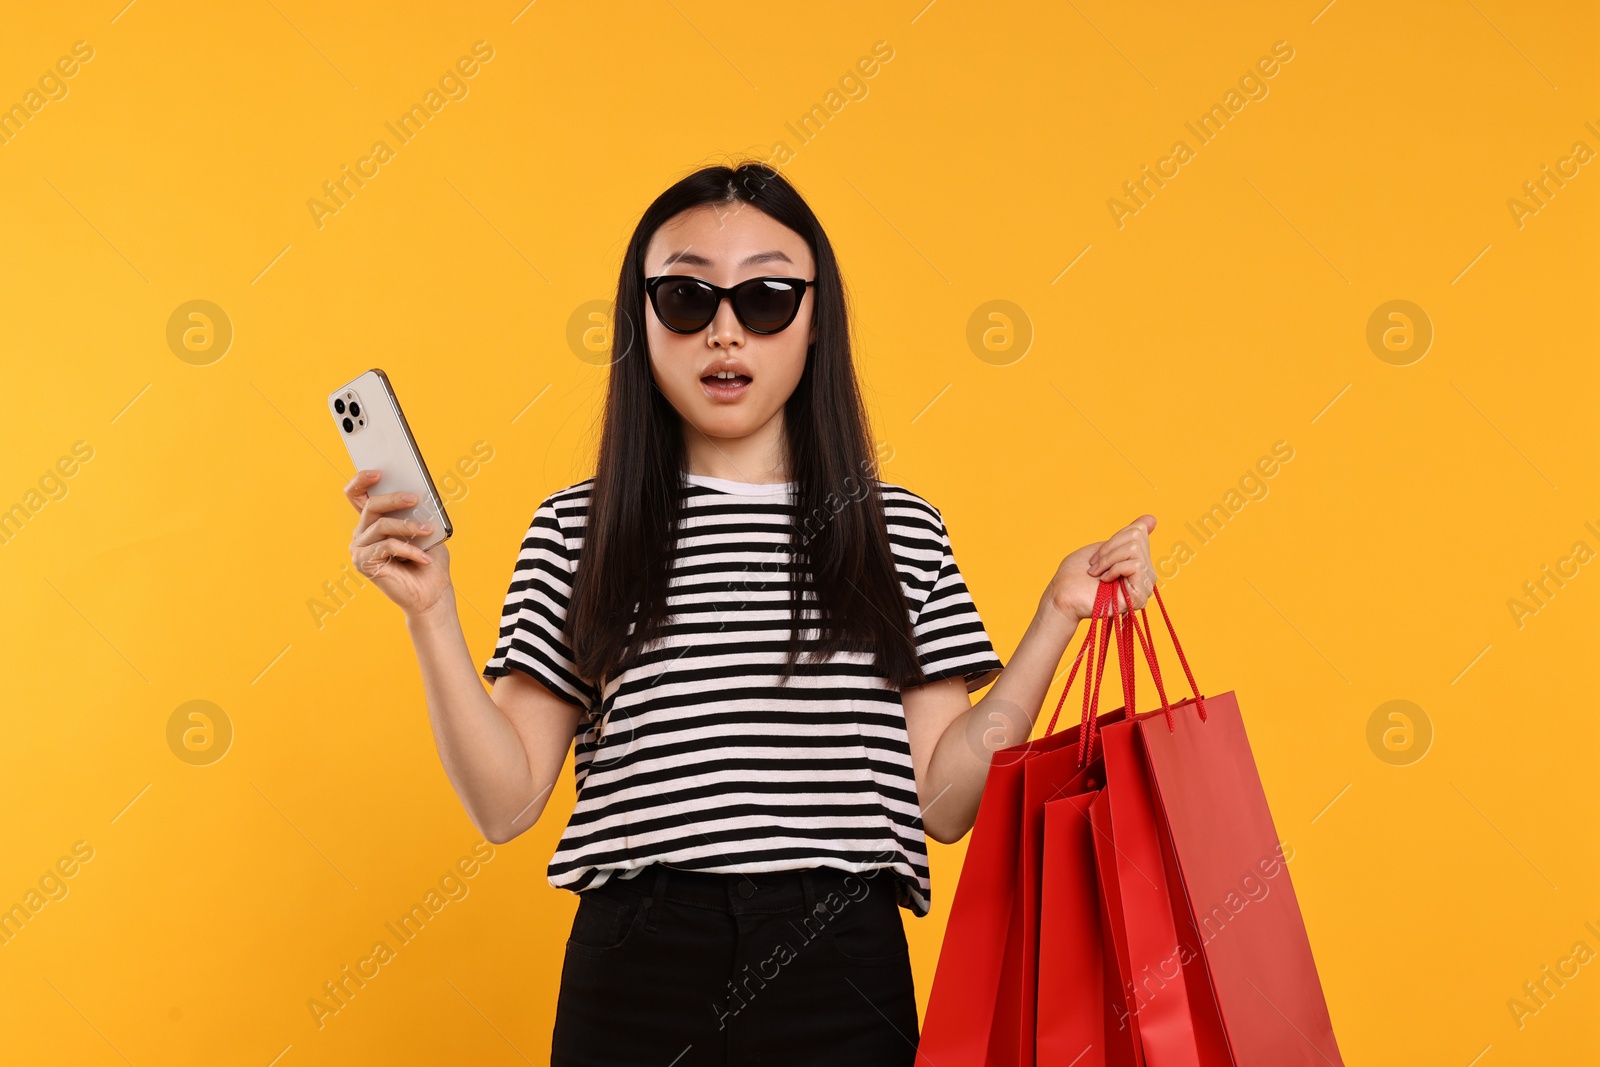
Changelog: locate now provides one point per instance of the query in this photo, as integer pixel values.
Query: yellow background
(1229, 313)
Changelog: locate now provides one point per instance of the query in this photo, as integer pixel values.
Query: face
(725, 244)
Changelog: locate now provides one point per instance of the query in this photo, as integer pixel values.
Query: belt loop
(809, 891)
(657, 896)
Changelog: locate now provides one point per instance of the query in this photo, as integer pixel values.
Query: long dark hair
(839, 545)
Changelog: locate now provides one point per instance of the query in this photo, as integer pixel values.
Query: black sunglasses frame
(730, 293)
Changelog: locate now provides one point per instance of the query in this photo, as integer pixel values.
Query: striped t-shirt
(697, 757)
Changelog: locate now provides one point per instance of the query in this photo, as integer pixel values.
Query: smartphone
(376, 435)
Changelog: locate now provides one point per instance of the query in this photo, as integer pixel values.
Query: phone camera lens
(355, 409)
(338, 405)
(348, 426)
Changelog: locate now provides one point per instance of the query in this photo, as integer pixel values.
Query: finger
(377, 505)
(1126, 568)
(1139, 586)
(390, 502)
(400, 528)
(1140, 582)
(1146, 521)
(355, 489)
(375, 557)
(1111, 555)
(1128, 535)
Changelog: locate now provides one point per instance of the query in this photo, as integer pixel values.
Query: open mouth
(720, 387)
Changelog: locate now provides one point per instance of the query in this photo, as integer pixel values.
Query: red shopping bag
(1225, 940)
(1165, 1002)
(981, 1006)
(1077, 976)
(1144, 953)
(1078, 982)
(1050, 778)
(1113, 852)
(1121, 1038)
(1243, 915)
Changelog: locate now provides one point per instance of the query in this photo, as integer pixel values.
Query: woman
(770, 718)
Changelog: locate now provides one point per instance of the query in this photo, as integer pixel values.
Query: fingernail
(427, 527)
(410, 498)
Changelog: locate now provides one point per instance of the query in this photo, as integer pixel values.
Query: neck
(758, 458)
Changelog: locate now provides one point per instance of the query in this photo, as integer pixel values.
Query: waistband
(755, 891)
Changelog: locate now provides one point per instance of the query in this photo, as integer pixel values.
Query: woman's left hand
(1125, 554)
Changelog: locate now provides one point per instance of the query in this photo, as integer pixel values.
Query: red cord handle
(1089, 727)
(1102, 598)
(1199, 701)
(1103, 619)
(1147, 643)
(1124, 624)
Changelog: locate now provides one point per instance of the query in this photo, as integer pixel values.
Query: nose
(725, 330)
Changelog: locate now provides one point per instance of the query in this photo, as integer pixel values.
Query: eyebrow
(694, 259)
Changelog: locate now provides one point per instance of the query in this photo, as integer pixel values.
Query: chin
(738, 419)
(725, 425)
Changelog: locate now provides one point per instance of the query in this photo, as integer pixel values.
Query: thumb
(1148, 521)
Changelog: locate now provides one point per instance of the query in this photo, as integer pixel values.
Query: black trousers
(679, 968)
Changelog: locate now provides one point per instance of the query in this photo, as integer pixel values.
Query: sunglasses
(763, 305)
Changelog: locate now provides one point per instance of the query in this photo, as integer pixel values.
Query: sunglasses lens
(768, 305)
(684, 304)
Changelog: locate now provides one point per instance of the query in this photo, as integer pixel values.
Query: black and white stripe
(696, 756)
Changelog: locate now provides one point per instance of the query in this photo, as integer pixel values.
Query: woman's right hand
(415, 579)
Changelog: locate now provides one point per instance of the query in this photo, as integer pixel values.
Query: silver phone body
(379, 439)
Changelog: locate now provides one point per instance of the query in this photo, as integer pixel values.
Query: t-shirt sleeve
(951, 638)
(533, 621)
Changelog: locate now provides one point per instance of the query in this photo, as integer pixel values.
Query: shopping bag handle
(1105, 608)
(1089, 728)
(1148, 644)
(1101, 600)
(1096, 643)
(1155, 670)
